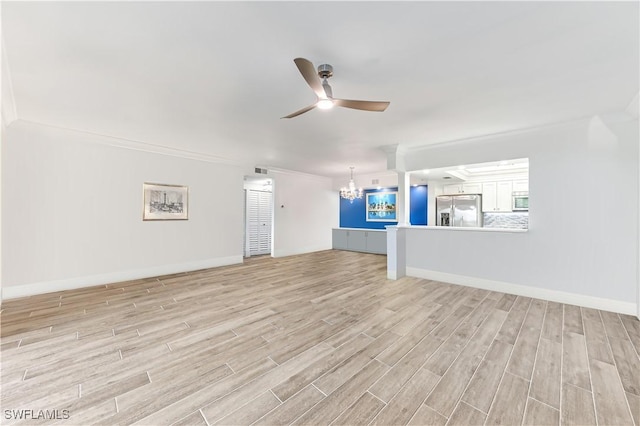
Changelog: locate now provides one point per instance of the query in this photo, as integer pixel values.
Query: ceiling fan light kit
(325, 104)
(318, 81)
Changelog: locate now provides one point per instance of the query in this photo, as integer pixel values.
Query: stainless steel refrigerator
(459, 210)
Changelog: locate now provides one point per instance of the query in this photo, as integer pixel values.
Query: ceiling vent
(260, 171)
(375, 181)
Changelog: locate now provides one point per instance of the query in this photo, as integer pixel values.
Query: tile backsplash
(518, 220)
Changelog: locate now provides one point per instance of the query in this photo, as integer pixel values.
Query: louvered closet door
(259, 221)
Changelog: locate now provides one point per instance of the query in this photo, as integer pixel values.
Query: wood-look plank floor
(322, 338)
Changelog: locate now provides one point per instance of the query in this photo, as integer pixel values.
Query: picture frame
(382, 206)
(165, 202)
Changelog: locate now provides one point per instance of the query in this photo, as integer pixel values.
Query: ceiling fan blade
(300, 111)
(362, 105)
(310, 75)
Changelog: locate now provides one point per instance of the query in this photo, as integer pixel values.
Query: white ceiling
(517, 168)
(215, 77)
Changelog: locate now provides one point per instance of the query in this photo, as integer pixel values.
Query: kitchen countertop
(460, 228)
(361, 229)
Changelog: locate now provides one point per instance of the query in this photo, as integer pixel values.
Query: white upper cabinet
(497, 196)
(452, 189)
(520, 185)
(462, 188)
(489, 195)
(472, 188)
(505, 196)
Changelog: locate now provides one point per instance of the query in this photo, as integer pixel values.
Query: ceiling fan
(325, 94)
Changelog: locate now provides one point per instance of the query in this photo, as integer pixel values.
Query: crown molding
(278, 170)
(617, 115)
(134, 145)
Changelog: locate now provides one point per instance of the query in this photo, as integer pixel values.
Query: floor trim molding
(32, 289)
(611, 305)
(303, 250)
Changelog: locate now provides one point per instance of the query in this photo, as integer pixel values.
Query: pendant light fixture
(350, 192)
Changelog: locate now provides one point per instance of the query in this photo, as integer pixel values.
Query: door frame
(258, 184)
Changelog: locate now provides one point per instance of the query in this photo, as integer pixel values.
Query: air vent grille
(260, 171)
(375, 181)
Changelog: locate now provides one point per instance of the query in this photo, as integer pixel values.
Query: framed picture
(381, 207)
(165, 202)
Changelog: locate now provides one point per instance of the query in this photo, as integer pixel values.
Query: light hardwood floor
(322, 338)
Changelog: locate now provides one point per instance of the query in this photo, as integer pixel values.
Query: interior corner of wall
(9, 110)
(7, 119)
(599, 135)
(633, 109)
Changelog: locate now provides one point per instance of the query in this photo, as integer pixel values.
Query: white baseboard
(301, 250)
(32, 289)
(611, 305)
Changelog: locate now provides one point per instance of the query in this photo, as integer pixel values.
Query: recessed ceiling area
(215, 77)
(507, 169)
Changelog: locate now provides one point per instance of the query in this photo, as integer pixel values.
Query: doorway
(258, 216)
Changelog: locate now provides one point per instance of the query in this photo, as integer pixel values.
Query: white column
(396, 252)
(397, 235)
(404, 197)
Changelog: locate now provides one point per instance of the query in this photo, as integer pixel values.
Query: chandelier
(350, 192)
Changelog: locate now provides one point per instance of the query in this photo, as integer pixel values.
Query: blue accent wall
(418, 205)
(353, 215)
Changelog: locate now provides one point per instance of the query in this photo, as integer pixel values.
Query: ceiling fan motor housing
(325, 70)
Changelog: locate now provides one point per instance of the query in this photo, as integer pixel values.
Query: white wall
(7, 115)
(583, 217)
(306, 208)
(385, 178)
(72, 212)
